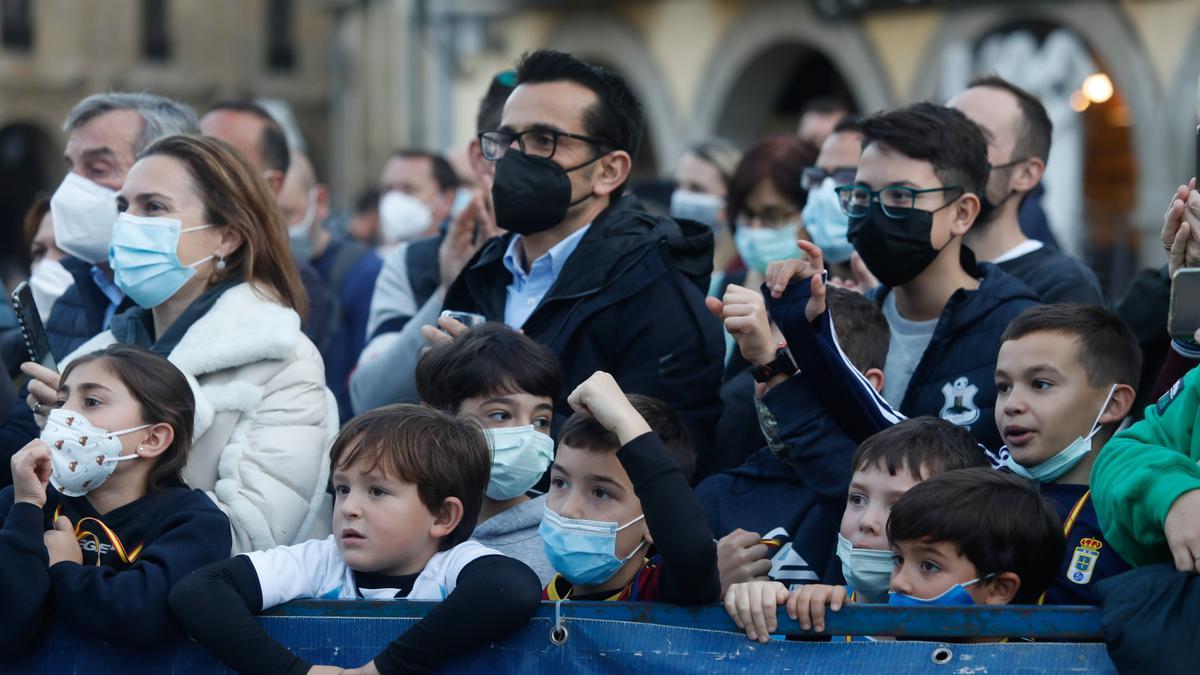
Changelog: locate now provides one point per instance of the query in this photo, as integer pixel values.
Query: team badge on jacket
(960, 405)
(1084, 562)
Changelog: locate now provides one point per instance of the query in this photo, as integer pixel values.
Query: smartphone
(36, 342)
(1183, 320)
(468, 319)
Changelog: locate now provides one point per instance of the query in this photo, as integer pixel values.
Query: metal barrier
(597, 637)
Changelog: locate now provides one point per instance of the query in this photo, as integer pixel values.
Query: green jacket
(1142, 471)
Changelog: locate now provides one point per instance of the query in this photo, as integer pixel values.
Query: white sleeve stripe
(885, 409)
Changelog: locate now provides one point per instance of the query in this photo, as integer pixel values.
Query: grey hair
(160, 115)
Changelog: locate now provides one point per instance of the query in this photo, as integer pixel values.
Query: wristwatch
(782, 365)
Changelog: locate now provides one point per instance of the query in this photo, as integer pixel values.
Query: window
(281, 52)
(156, 38)
(16, 24)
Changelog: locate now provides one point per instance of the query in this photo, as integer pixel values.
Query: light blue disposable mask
(868, 571)
(759, 246)
(520, 455)
(827, 225)
(1052, 469)
(144, 258)
(955, 596)
(300, 234)
(697, 206)
(583, 551)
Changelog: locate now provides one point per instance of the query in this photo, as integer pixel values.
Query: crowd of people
(848, 365)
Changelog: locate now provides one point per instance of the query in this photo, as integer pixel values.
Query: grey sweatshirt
(515, 534)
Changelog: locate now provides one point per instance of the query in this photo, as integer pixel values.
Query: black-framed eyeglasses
(533, 142)
(813, 176)
(895, 200)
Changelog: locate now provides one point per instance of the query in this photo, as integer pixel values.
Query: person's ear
(964, 212)
(274, 178)
(447, 518)
(1028, 174)
(231, 240)
(479, 166)
(156, 440)
(875, 377)
(1000, 589)
(1120, 405)
(612, 171)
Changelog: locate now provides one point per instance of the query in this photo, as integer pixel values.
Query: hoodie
(515, 534)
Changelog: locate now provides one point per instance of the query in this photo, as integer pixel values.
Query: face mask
(867, 571)
(48, 280)
(82, 456)
(988, 209)
(827, 225)
(896, 250)
(402, 217)
(462, 199)
(520, 455)
(697, 206)
(532, 194)
(759, 246)
(1066, 459)
(300, 234)
(956, 595)
(83, 213)
(583, 551)
(145, 261)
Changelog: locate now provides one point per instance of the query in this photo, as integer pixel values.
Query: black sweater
(132, 556)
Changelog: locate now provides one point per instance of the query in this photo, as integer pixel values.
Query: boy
(777, 513)
(617, 487)
(885, 467)
(1066, 378)
(999, 545)
(508, 383)
(408, 481)
(915, 196)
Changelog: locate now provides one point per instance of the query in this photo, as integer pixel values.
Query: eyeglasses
(533, 142)
(771, 220)
(813, 176)
(896, 201)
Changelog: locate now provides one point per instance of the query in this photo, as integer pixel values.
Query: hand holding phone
(37, 344)
(1183, 320)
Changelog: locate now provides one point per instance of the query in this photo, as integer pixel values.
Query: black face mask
(896, 250)
(532, 194)
(987, 209)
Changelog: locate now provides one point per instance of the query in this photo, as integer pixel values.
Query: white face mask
(402, 217)
(868, 571)
(48, 280)
(520, 455)
(82, 456)
(1052, 469)
(84, 213)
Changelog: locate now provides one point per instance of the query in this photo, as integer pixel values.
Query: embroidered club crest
(960, 405)
(1084, 561)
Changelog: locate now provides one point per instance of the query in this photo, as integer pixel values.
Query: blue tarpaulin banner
(643, 637)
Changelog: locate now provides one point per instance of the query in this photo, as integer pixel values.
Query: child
(508, 383)
(885, 467)
(408, 481)
(102, 544)
(617, 487)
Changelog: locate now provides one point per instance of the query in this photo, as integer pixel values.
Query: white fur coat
(264, 418)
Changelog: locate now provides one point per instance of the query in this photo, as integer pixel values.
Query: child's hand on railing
(752, 606)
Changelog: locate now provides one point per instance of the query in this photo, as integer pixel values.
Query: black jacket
(629, 301)
(1151, 617)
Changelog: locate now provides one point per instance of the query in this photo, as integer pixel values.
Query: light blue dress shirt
(528, 288)
(110, 290)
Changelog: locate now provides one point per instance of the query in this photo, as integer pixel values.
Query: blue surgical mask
(300, 234)
(956, 595)
(868, 571)
(827, 225)
(583, 551)
(520, 456)
(1052, 469)
(144, 258)
(697, 206)
(761, 245)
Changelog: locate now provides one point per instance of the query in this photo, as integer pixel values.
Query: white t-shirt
(314, 569)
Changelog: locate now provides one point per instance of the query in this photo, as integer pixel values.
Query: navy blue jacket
(350, 285)
(629, 301)
(798, 502)
(1089, 557)
(1151, 617)
(159, 539)
(1055, 277)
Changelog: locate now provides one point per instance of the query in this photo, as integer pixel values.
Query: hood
(520, 518)
(765, 466)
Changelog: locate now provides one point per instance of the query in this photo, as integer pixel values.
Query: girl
(102, 544)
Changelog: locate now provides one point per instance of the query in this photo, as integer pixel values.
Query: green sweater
(1142, 471)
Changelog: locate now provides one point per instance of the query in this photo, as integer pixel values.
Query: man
(820, 115)
(347, 267)
(589, 274)
(105, 133)
(419, 188)
(1018, 134)
(251, 130)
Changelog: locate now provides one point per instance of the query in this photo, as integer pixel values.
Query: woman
(201, 247)
(701, 189)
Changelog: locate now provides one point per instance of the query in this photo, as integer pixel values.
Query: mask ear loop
(1103, 409)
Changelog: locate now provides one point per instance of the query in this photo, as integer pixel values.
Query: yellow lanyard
(80, 534)
(1069, 524)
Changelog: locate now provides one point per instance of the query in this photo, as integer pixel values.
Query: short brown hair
(926, 446)
(585, 433)
(33, 218)
(1108, 350)
(163, 395)
(443, 455)
(781, 159)
(236, 196)
(862, 329)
